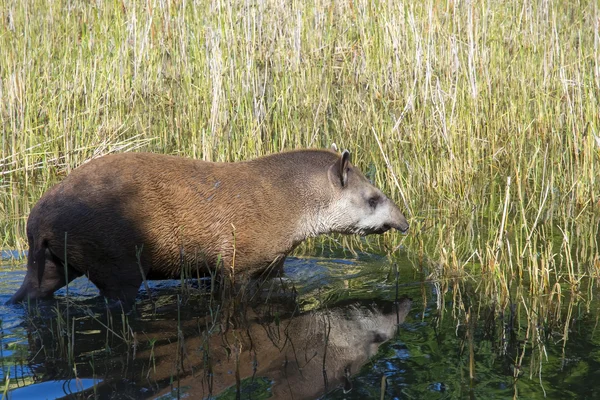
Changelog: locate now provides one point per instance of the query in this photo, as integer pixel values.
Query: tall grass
(480, 117)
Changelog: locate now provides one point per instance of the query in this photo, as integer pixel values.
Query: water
(432, 353)
(52, 389)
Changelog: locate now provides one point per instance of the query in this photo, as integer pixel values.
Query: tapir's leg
(119, 280)
(125, 293)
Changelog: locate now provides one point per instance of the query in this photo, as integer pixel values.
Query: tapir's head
(357, 206)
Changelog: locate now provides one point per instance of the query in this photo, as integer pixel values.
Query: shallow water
(430, 355)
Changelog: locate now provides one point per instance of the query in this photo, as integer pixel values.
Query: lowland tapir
(120, 215)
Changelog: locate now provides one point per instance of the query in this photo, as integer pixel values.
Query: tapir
(123, 218)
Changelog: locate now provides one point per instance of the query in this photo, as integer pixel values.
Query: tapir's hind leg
(43, 282)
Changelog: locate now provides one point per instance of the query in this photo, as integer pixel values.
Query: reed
(481, 118)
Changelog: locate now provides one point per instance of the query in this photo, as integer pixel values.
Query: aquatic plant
(480, 118)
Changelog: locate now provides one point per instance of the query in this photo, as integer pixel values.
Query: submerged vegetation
(481, 119)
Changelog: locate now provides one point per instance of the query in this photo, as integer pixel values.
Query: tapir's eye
(373, 201)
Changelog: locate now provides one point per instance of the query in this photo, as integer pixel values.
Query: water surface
(431, 354)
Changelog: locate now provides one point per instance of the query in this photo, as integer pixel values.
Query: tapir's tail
(36, 263)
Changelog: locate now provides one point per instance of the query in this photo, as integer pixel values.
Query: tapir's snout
(402, 226)
(394, 219)
(398, 219)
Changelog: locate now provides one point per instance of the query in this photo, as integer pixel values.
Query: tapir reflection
(304, 356)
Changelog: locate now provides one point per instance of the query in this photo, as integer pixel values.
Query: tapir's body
(120, 214)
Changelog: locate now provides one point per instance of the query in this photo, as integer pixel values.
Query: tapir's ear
(339, 170)
(334, 147)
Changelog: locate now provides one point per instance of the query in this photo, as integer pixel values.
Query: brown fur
(175, 210)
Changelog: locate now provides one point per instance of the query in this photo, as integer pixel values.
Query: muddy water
(177, 343)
